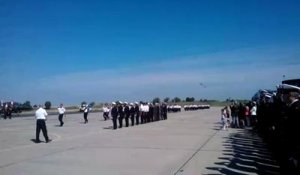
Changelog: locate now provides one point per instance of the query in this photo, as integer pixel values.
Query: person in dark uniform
(156, 112)
(164, 111)
(127, 113)
(132, 112)
(5, 111)
(137, 113)
(114, 115)
(151, 112)
(290, 144)
(41, 115)
(9, 110)
(121, 114)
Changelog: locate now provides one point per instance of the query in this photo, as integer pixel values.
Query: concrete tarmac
(187, 143)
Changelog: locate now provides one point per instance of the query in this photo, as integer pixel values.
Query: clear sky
(71, 51)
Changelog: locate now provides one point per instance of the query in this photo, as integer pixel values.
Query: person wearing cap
(114, 115)
(127, 114)
(291, 137)
(156, 112)
(137, 113)
(61, 112)
(40, 116)
(132, 112)
(9, 109)
(151, 113)
(121, 114)
(142, 111)
(164, 111)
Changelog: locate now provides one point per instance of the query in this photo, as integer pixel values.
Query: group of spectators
(239, 115)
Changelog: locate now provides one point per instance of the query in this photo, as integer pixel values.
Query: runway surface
(187, 143)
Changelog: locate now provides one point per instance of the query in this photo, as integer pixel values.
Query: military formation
(135, 113)
(194, 107)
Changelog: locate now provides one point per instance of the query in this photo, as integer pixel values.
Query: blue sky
(70, 51)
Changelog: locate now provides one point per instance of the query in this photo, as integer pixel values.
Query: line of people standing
(137, 113)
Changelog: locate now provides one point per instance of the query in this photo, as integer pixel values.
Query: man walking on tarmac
(41, 115)
(61, 112)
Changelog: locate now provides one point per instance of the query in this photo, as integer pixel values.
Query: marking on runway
(180, 170)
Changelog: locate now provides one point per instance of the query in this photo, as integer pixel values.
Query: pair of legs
(105, 115)
(235, 122)
(41, 125)
(132, 119)
(114, 119)
(85, 117)
(60, 118)
(121, 122)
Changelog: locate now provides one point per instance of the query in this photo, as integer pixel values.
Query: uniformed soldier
(151, 112)
(132, 112)
(121, 114)
(146, 113)
(5, 111)
(114, 115)
(290, 143)
(142, 111)
(10, 109)
(156, 112)
(164, 111)
(137, 113)
(127, 113)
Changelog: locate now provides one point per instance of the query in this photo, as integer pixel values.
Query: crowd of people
(275, 115)
(239, 115)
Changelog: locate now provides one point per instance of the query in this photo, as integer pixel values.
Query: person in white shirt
(85, 109)
(253, 112)
(41, 115)
(105, 112)
(61, 112)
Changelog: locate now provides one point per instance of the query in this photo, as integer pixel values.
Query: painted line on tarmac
(180, 170)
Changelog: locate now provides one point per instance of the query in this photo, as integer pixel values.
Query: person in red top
(247, 115)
